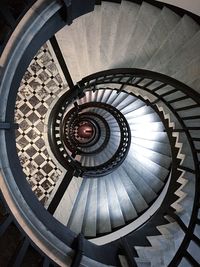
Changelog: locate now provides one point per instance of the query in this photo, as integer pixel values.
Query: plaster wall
(190, 5)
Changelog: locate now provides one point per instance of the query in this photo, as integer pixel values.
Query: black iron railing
(183, 101)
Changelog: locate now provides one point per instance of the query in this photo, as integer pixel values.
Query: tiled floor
(38, 88)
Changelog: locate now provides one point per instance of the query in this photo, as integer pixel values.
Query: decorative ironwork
(160, 87)
(64, 140)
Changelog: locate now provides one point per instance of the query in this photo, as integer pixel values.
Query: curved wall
(190, 5)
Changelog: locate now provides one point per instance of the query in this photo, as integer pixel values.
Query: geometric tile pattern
(38, 88)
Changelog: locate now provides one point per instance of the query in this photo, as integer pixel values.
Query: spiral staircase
(99, 134)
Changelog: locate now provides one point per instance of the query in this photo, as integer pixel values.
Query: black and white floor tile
(39, 86)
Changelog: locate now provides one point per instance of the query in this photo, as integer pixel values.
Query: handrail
(144, 80)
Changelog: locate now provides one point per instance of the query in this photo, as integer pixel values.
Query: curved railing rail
(183, 103)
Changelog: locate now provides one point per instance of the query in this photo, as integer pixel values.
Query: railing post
(79, 248)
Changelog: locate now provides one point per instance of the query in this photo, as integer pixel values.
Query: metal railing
(178, 100)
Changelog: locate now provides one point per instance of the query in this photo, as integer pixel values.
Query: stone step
(104, 224)
(142, 183)
(183, 32)
(64, 209)
(90, 218)
(166, 22)
(127, 20)
(146, 19)
(109, 22)
(77, 216)
(183, 57)
(135, 196)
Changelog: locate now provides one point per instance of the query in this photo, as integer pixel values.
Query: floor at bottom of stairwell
(38, 88)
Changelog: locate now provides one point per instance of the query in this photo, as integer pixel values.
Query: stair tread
(87, 262)
(153, 183)
(190, 73)
(195, 85)
(184, 30)
(81, 47)
(128, 101)
(147, 118)
(153, 136)
(137, 108)
(140, 183)
(130, 108)
(112, 97)
(76, 219)
(135, 196)
(116, 215)
(127, 20)
(90, 217)
(151, 126)
(106, 95)
(184, 263)
(121, 99)
(103, 214)
(110, 14)
(98, 95)
(193, 249)
(67, 202)
(154, 156)
(142, 262)
(164, 25)
(183, 57)
(149, 166)
(146, 19)
(93, 29)
(126, 205)
(68, 50)
(159, 147)
(153, 255)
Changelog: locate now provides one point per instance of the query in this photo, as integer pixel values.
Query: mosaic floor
(38, 88)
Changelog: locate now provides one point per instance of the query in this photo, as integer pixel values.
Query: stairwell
(130, 185)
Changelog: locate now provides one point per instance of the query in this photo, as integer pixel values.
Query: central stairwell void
(123, 164)
(127, 171)
(122, 131)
